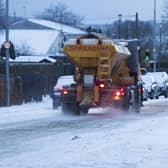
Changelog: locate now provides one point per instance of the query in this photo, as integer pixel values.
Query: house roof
(32, 59)
(27, 24)
(58, 26)
(37, 42)
(45, 24)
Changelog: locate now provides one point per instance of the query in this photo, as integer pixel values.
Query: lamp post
(24, 12)
(160, 41)
(7, 55)
(137, 25)
(119, 25)
(154, 38)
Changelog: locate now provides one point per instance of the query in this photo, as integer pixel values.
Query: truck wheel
(64, 107)
(125, 107)
(166, 94)
(84, 110)
(70, 108)
(138, 110)
(136, 106)
(55, 105)
(75, 109)
(157, 97)
(152, 95)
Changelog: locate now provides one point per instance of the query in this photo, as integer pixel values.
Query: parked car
(162, 81)
(150, 84)
(62, 81)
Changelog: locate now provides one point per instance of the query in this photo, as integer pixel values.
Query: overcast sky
(93, 10)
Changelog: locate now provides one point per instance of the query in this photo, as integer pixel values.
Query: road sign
(7, 45)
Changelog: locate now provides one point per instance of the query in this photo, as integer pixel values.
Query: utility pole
(137, 36)
(7, 46)
(24, 12)
(119, 25)
(137, 25)
(160, 47)
(154, 38)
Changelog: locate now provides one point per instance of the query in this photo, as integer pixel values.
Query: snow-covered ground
(34, 135)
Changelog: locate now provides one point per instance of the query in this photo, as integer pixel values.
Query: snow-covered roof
(33, 59)
(37, 42)
(58, 26)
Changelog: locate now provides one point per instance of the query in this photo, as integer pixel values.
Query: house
(38, 36)
(37, 42)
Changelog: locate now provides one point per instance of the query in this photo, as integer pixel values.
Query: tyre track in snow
(13, 139)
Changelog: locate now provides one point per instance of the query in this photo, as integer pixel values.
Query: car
(150, 84)
(145, 92)
(61, 82)
(162, 80)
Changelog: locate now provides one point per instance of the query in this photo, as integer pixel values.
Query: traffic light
(11, 48)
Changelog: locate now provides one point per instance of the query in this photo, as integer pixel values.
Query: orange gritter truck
(107, 75)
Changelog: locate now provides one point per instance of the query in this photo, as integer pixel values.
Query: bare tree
(2, 13)
(60, 13)
(129, 30)
(165, 17)
(164, 30)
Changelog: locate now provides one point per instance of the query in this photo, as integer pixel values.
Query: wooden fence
(29, 82)
(16, 90)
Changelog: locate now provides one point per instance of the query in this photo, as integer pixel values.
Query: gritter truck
(107, 75)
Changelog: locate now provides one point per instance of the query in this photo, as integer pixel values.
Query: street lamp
(119, 25)
(24, 12)
(160, 46)
(154, 38)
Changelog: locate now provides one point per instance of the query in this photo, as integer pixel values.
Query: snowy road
(36, 136)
